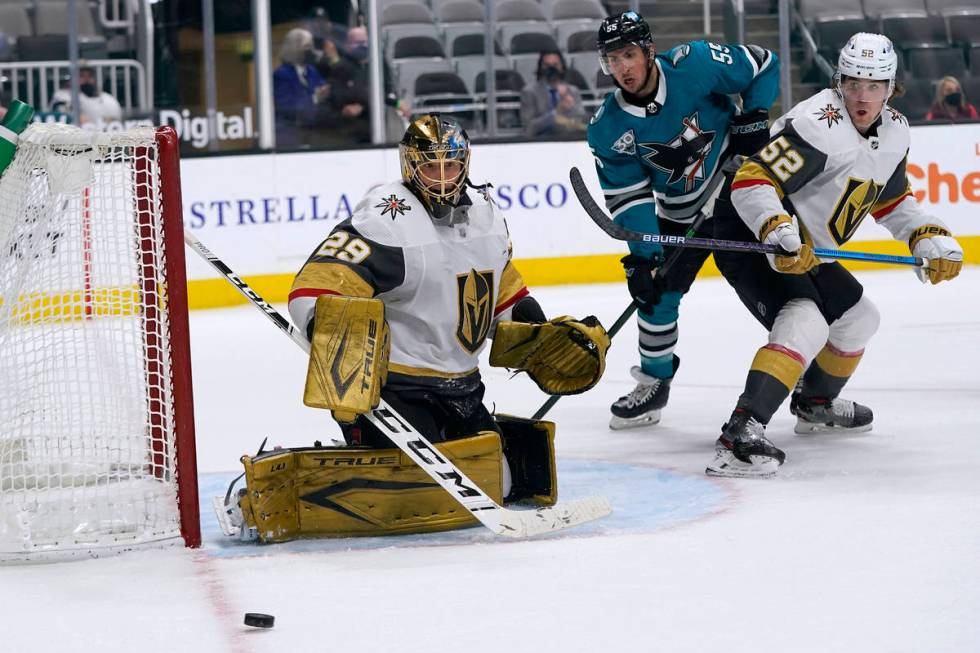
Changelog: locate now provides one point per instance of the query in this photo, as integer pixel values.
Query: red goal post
(97, 450)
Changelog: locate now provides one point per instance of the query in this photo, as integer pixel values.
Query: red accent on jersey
(310, 292)
(880, 213)
(520, 294)
(745, 183)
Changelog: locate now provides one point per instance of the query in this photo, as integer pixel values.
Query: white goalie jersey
(443, 287)
(820, 168)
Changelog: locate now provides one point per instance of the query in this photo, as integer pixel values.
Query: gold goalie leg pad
(530, 449)
(350, 491)
(348, 355)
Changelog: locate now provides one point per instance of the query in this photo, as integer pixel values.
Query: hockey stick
(502, 521)
(627, 312)
(621, 233)
(617, 325)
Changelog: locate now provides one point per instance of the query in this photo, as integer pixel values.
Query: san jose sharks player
(660, 142)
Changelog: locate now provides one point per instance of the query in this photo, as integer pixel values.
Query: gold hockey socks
(829, 372)
(774, 372)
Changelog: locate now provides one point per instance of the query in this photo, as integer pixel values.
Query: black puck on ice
(259, 620)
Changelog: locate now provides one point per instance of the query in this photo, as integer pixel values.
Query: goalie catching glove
(348, 356)
(563, 356)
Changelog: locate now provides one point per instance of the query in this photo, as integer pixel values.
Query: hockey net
(96, 425)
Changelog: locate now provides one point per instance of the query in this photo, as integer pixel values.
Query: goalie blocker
(348, 356)
(353, 491)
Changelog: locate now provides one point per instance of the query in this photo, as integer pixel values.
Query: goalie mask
(618, 32)
(435, 160)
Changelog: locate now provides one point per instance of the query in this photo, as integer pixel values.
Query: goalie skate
(743, 451)
(829, 415)
(642, 406)
(231, 521)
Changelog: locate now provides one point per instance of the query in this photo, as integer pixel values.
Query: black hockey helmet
(617, 32)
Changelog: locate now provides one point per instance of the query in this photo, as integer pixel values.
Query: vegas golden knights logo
(474, 300)
(857, 199)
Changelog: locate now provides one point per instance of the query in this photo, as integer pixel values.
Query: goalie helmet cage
(97, 450)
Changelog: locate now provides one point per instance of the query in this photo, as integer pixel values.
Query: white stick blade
(530, 523)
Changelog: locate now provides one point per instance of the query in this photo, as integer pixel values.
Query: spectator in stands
(345, 107)
(951, 104)
(552, 107)
(356, 50)
(357, 44)
(96, 107)
(298, 90)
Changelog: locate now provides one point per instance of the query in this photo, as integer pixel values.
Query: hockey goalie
(397, 302)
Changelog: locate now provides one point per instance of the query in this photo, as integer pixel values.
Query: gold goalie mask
(435, 159)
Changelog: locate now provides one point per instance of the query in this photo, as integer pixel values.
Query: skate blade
(727, 465)
(624, 423)
(811, 428)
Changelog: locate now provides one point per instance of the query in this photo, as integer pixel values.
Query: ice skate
(829, 415)
(743, 451)
(642, 406)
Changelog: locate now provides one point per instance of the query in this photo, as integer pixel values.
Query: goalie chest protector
(449, 280)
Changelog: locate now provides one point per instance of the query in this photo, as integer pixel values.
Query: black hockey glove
(645, 287)
(750, 132)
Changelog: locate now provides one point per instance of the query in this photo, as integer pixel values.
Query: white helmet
(868, 56)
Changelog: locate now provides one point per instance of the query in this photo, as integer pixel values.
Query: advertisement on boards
(266, 213)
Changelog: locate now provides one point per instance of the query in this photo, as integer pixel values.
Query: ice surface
(862, 543)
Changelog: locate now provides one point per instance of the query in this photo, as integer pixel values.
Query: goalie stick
(500, 520)
(622, 233)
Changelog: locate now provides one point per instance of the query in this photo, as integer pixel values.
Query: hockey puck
(259, 620)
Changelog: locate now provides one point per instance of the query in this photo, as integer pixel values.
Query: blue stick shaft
(867, 256)
(765, 248)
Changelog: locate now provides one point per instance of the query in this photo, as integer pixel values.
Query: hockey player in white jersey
(830, 161)
(434, 251)
(398, 301)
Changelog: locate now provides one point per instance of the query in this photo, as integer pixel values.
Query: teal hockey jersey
(665, 158)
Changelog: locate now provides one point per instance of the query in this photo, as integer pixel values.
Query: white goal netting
(87, 444)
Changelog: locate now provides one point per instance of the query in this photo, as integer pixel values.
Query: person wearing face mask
(96, 107)
(298, 91)
(344, 114)
(552, 107)
(831, 161)
(355, 52)
(357, 44)
(951, 103)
